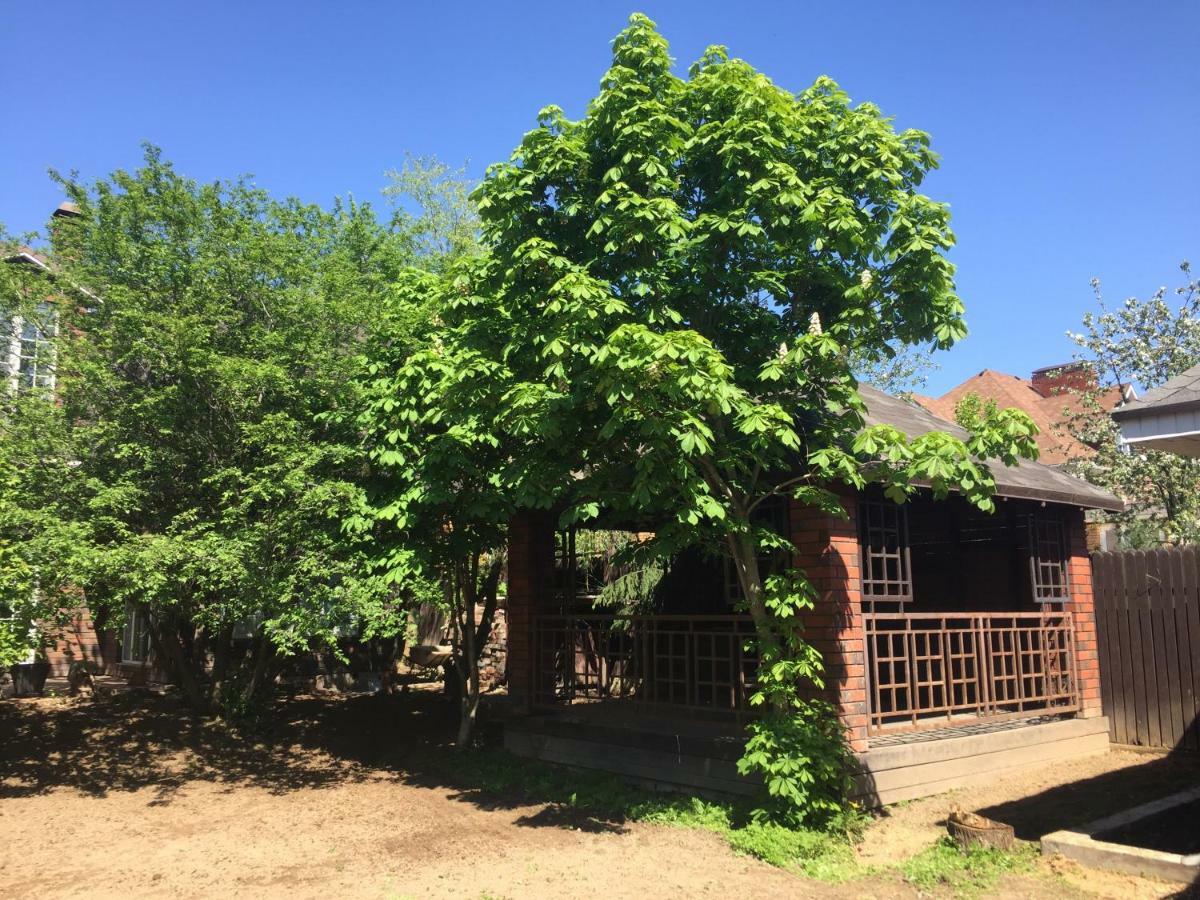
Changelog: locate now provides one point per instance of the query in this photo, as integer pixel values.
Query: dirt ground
(337, 797)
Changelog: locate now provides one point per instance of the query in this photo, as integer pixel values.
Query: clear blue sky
(1068, 131)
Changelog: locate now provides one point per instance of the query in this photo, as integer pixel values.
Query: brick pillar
(1083, 614)
(530, 589)
(827, 551)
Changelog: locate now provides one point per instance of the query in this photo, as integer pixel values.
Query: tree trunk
(264, 654)
(165, 635)
(221, 650)
(487, 591)
(744, 553)
(468, 656)
(387, 675)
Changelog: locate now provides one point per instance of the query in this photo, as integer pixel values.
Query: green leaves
(674, 292)
(205, 444)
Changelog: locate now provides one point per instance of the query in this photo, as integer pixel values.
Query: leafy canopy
(675, 291)
(200, 463)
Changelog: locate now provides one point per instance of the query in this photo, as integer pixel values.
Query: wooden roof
(1026, 480)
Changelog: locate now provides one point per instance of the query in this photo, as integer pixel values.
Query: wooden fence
(1148, 633)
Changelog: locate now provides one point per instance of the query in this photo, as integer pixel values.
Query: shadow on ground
(133, 741)
(1080, 802)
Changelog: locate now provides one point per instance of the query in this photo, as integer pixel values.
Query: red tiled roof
(1051, 414)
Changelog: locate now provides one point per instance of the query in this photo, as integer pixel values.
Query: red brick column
(530, 589)
(1083, 614)
(827, 551)
(80, 639)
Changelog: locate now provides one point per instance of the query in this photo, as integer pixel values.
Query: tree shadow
(1080, 802)
(138, 740)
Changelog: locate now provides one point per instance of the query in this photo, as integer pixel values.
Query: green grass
(965, 872)
(819, 853)
(825, 854)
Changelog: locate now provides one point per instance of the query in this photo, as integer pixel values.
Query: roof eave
(1132, 411)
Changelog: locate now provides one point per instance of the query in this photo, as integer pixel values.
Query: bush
(805, 764)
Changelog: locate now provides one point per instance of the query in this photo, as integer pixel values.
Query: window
(885, 559)
(31, 351)
(135, 639)
(8, 620)
(1048, 557)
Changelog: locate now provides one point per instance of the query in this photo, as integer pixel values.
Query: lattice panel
(925, 669)
(886, 565)
(689, 663)
(1048, 558)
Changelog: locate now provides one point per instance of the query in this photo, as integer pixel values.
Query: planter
(29, 678)
(981, 833)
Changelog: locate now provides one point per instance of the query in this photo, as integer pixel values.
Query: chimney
(63, 229)
(1073, 376)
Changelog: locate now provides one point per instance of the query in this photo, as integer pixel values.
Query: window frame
(880, 523)
(1049, 578)
(33, 369)
(135, 631)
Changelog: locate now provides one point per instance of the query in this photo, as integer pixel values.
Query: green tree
(32, 463)
(663, 325)
(1142, 343)
(204, 469)
(431, 205)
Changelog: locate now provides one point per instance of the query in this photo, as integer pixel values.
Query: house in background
(27, 362)
(1049, 397)
(957, 644)
(1167, 418)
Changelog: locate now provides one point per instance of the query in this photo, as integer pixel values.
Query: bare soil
(351, 797)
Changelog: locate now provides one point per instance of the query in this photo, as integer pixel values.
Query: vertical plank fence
(1148, 632)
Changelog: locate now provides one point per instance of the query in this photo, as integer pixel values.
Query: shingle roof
(1182, 390)
(21, 254)
(1050, 414)
(1026, 480)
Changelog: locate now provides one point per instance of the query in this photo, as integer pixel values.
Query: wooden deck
(905, 767)
(690, 756)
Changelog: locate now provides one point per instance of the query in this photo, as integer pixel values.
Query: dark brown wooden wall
(1148, 629)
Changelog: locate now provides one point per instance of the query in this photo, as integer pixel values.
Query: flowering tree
(1142, 343)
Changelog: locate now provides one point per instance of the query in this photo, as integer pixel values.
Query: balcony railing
(695, 664)
(931, 670)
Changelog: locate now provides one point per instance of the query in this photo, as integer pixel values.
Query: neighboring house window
(6, 616)
(135, 639)
(31, 349)
(885, 559)
(245, 629)
(1048, 558)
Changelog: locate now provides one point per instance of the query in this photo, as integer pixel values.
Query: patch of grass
(826, 854)
(965, 872)
(823, 855)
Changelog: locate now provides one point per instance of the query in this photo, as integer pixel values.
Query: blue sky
(1068, 131)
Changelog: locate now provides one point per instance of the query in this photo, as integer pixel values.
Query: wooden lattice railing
(672, 663)
(930, 670)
